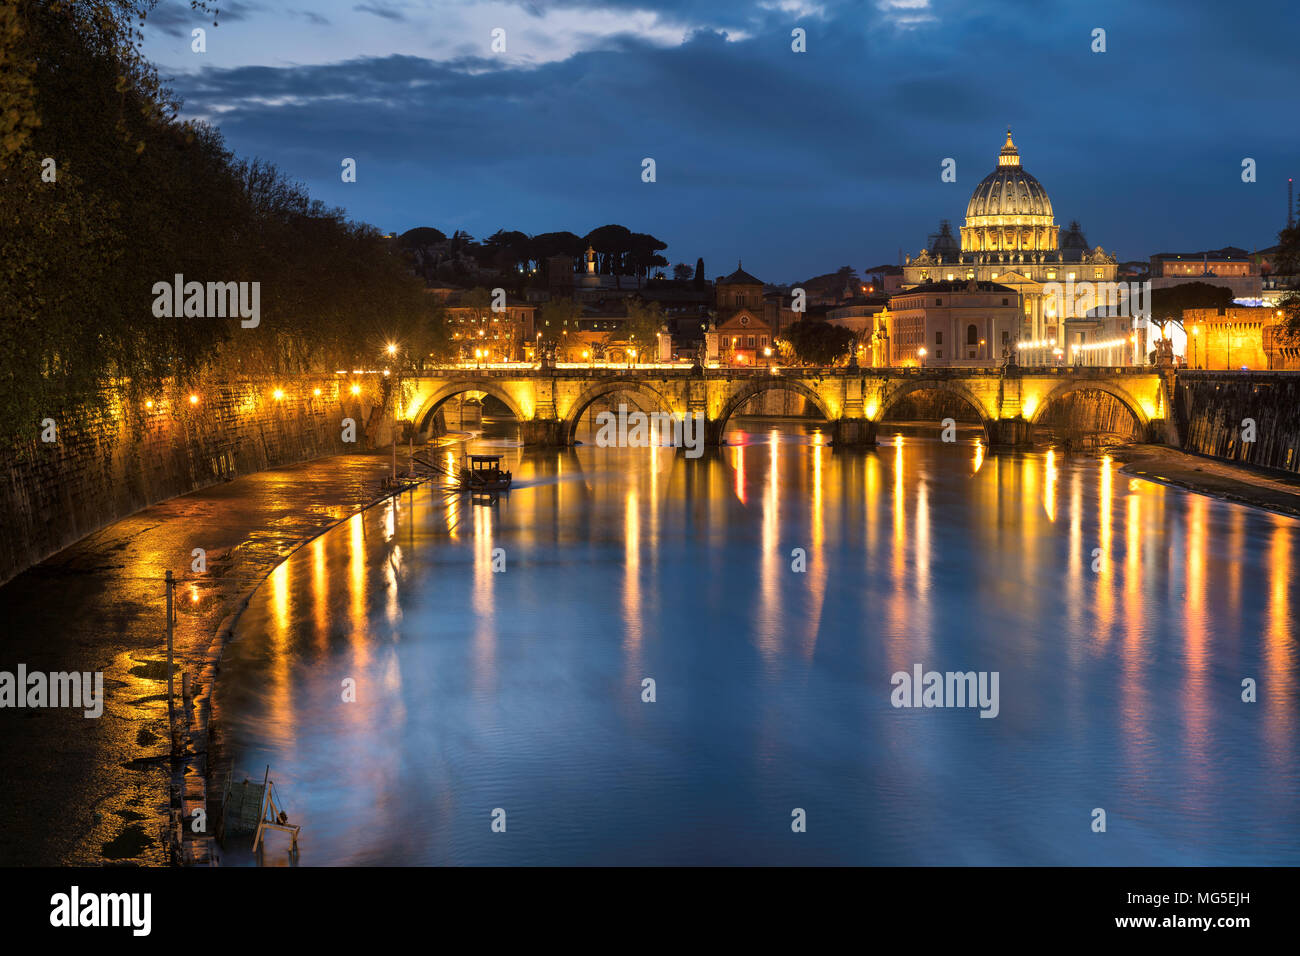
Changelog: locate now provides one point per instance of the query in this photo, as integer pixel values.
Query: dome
(1009, 190)
(1073, 240)
(944, 244)
(1009, 210)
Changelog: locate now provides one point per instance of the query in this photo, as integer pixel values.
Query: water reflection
(521, 688)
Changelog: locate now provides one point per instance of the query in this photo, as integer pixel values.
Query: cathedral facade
(1010, 237)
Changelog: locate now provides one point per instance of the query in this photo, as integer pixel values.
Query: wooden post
(171, 705)
(261, 815)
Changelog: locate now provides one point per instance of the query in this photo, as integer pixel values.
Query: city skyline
(796, 162)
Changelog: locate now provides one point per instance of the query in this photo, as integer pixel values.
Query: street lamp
(921, 354)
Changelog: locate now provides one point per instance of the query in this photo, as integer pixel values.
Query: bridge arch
(758, 386)
(1123, 395)
(956, 389)
(442, 393)
(602, 388)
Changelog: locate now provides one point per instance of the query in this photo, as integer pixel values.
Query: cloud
(385, 10)
(790, 160)
(176, 18)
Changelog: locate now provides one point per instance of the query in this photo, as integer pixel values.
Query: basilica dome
(1009, 210)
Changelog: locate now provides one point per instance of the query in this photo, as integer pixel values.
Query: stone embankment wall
(1212, 407)
(55, 493)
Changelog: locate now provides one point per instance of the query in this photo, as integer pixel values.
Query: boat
(482, 474)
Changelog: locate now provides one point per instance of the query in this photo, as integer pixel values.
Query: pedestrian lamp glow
(194, 399)
(392, 349)
(356, 389)
(278, 393)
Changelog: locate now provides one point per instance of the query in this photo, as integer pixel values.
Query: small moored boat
(482, 473)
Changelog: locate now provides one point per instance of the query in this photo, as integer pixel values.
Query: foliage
(139, 197)
(814, 342)
(643, 324)
(1169, 303)
(1287, 263)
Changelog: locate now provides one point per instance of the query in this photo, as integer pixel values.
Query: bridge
(550, 402)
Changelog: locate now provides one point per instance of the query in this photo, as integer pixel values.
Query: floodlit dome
(1009, 210)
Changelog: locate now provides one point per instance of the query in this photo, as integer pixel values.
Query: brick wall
(56, 493)
(1212, 405)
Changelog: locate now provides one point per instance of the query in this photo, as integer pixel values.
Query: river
(520, 689)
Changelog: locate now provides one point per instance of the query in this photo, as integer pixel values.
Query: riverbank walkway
(95, 791)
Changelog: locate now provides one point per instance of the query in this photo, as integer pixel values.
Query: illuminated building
(1010, 237)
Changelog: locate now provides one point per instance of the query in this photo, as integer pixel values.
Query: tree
(814, 342)
(643, 324)
(1168, 304)
(139, 197)
(1287, 263)
(681, 272)
(699, 273)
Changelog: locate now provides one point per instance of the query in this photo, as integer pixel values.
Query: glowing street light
(921, 355)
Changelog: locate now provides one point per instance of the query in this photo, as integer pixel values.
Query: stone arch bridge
(549, 403)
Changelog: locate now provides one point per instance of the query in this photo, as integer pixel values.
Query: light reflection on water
(475, 689)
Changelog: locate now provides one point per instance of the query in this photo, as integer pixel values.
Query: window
(938, 338)
(972, 336)
(1005, 336)
(750, 343)
(938, 301)
(938, 353)
(1006, 301)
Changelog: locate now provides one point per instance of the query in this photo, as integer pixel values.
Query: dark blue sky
(796, 162)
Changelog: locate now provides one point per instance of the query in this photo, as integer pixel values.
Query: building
(955, 323)
(745, 330)
(1234, 268)
(487, 336)
(1010, 237)
(1235, 338)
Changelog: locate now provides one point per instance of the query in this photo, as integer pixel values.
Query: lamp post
(391, 349)
(920, 354)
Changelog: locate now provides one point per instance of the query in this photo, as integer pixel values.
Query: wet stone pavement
(85, 791)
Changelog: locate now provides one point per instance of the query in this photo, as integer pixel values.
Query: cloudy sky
(796, 162)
